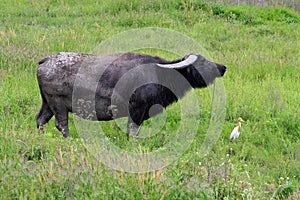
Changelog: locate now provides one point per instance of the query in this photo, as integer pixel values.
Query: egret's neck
(239, 126)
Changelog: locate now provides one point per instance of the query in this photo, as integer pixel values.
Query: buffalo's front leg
(135, 120)
(132, 127)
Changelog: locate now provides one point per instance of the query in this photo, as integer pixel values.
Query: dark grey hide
(87, 85)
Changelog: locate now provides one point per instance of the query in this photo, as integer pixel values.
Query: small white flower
(199, 163)
(281, 178)
(227, 155)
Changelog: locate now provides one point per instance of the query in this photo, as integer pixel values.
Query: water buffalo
(85, 84)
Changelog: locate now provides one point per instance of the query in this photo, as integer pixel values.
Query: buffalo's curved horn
(188, 61)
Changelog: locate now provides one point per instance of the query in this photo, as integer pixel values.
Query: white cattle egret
(236, 131)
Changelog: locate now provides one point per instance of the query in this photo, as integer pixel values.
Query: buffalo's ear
(190, 60)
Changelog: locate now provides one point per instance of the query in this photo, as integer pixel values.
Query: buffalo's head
(199, 71)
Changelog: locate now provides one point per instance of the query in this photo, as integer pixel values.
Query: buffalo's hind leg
(60, 111)
(61, 120)
(43, 116)
(61, 123)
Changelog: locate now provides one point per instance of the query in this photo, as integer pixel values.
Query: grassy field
(260, 47)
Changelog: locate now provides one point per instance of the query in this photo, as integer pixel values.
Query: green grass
(260, 47)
